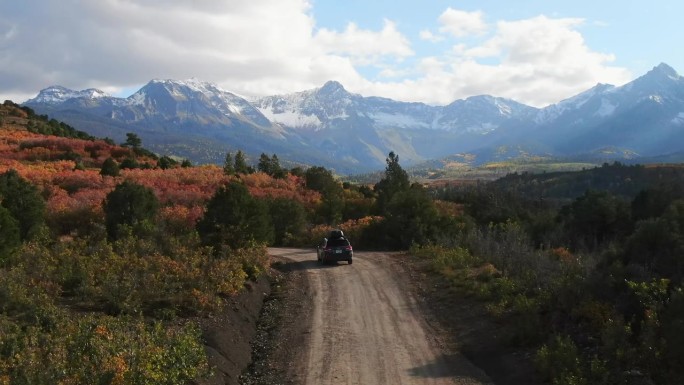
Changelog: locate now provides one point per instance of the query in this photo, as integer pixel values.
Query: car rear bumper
(337, 257)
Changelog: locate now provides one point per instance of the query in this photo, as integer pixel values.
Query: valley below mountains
(642, 121)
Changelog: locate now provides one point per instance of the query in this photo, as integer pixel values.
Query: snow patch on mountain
(576, 102)
(483, 129)
(137, 99)
(292, 118)
(58, 94)
(656, 98)
(504, 109)
(607, 108)
(389, 120)
(679, 119)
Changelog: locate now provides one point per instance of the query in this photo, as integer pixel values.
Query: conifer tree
(23, 201)
(234, 218)
(132, 140)
(109, 167)
(322, 180)
(166, 162)
(241, 166)
(228, 165)
(129, 204)
(395, 181)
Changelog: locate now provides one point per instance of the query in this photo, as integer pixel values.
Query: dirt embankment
(228, 335)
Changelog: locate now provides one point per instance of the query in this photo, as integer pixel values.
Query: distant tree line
(42, 124)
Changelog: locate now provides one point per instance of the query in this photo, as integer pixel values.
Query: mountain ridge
(353, 133)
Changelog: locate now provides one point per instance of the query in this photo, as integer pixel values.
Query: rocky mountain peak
(660, 77)
(332, 88)
(59, 94)
(664, 70)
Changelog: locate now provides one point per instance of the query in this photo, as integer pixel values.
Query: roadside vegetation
(110, 253)
(585, 268)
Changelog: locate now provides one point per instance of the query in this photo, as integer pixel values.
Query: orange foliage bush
(449, 208)
(565, 256)
(181, 218)
(292, 187)
(184, 186)
(353, 229)
(74, 197)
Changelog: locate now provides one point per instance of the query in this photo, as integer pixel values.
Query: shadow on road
(296, 252)
(446, 366)
(289, 266)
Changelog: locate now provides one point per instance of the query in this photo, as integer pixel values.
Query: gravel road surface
(366, 327)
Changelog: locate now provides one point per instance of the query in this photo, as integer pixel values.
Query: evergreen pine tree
(395, 181)
(109, 167)
(241, 166)
(23, 201)
(129, 204)
(132, 140)
(234, 218)
(228, 165)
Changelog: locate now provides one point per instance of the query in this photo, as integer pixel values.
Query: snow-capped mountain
(642, 116)
(58, 94)
(192, 98)
(187, 118)
(332, 127)
(364, 129)
(324, 108)
(309, 110)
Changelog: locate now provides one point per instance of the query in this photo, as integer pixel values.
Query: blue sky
(536, 52)
(641, 34)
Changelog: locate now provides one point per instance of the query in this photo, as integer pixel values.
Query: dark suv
(335, 248)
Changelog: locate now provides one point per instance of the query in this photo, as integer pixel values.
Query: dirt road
(366, 328)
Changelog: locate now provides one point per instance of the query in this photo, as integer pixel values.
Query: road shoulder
(463, 325)
(283, 330)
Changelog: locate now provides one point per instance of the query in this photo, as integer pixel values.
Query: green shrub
(560, 362)
(25, 298)
(133, 275)
(525, 321)
(443, 258)
(9, 234)
(101, 350)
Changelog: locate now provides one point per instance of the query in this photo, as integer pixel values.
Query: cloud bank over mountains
(275, 46)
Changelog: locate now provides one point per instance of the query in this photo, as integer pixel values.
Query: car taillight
(327, 249)
(349, 248)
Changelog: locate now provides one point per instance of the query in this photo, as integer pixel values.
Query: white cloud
(429, 36)
(393, 73)
(461, 23)
(250, 47)
(359, 43)
(543, 60)
(537, 61)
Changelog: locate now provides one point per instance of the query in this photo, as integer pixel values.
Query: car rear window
(338, 242)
